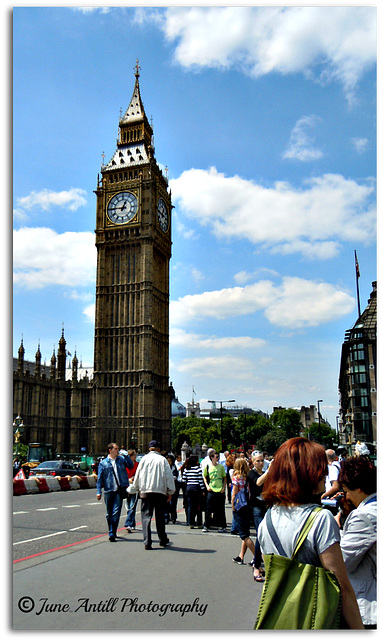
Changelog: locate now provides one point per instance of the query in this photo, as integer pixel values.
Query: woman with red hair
(294, 482)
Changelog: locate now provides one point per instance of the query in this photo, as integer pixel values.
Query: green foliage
(22, 451)
(324, 434)
(195, 430)
(247, 428)
(254, 429)
(272, 440)
(288, 420)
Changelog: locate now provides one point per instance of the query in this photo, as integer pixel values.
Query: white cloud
(84, 296)
(311, 220)
(19, 215)
(325, 43)
(86, 10)
(294, 303)
(197, 275)
(180, 338)
(89, 313)
(236, 368)
(42, 257)
(301, 141)
(242, 277)
(300, 303)
(360, 144)
(184, 231)
(47, 199)
(312, 250)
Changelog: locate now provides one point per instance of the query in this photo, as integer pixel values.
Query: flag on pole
(357, 284)
(357, 266)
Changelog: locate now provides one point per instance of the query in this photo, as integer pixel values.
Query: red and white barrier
(22, 487)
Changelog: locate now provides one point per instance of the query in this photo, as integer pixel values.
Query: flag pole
(357, 283)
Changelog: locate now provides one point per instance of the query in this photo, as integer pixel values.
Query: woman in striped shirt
(192, 476)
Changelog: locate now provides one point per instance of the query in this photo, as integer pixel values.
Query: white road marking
(70, 506)
(49, 535)
(16, 513)
(48, 509)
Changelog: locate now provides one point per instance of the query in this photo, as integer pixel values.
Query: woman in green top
(215, 482)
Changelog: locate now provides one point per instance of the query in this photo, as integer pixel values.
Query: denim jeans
(258, 516)
(233, 528)
(132, 501)
(194, 507)
(113, 503)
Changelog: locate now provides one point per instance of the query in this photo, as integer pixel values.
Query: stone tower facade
(132, 398)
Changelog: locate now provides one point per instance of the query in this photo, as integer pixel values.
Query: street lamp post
(18, 430)
(337, 431)
(319, 419)
(348, 430)
(220, 401)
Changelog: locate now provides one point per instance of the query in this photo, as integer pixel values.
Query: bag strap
(115, 476)
(302, 536)
(274, 535)
(306, 528)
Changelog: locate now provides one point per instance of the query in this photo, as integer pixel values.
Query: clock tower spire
(133, 240)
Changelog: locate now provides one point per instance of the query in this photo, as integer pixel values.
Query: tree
(322, 433)
(22, 450)
(251, 427)
(272, 440)
(193, 430)
(288, 420)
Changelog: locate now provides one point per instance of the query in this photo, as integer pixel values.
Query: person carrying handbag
(241, 509)
(113, 479)
(294, 482)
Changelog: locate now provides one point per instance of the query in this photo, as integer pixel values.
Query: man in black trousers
(155, 483)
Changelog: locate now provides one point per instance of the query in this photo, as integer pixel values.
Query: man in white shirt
(331, 484)
(155, 483)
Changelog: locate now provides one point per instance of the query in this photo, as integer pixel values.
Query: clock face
(162, 214)
(122, 207)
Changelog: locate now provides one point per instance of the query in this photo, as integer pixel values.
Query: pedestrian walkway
(191, 585)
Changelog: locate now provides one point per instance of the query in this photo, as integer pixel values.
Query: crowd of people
(281, 491)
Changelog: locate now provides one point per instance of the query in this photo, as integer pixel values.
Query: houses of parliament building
(127, 396)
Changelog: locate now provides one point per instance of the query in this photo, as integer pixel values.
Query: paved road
(72, 578)
(46, 521)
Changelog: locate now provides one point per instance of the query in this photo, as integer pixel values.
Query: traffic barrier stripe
(45, 485)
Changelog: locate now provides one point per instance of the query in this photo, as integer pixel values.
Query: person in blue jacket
(113, 479)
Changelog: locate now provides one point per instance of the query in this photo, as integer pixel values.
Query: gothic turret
(61, 357)
(38, 362)
(53, 362)
(74, 373)
(20, 366)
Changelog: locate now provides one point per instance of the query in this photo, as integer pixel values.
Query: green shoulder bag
(296, 595)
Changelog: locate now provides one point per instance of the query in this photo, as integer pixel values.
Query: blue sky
(266, 121)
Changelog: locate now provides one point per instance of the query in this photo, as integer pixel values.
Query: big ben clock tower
(133, 239)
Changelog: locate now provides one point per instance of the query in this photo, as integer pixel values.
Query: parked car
(56, 468)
